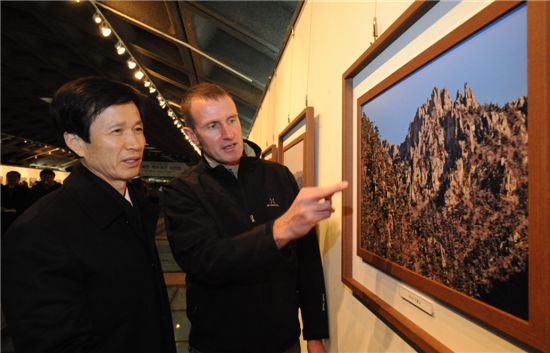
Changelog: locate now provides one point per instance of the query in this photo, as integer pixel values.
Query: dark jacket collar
(99, 200)
(251, 154)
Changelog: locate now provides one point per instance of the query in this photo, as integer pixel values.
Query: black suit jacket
(80, 273)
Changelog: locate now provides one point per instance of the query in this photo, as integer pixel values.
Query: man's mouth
(131, 162)
(229, 147)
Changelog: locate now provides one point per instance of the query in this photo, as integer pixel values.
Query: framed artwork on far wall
(297, 147)
(270, 153)
(450, 173)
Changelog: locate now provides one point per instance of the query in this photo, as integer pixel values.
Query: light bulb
(97, 19)
(139, 74)
(120, 49)
(105, 31)
(147, 83)
(131, 64)
(152, 89)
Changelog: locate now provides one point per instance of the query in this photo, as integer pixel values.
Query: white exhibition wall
(328, 38)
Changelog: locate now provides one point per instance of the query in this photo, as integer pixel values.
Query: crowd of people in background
(17, 196)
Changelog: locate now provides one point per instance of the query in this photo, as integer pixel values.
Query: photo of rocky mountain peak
(450, 201)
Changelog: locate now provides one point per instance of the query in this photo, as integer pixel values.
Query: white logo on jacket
(272, 202)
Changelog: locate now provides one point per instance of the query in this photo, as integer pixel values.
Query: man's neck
(233, 168)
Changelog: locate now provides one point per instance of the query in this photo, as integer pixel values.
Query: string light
(139, 74)
(120, 49)
(131, 63)
(106, 30)
(97, 18)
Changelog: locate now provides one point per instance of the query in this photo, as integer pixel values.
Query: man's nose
(227, 131)
(133, 140)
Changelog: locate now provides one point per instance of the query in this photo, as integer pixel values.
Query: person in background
(80, 271)
(14, 199)
(244, 234)
(46, 185)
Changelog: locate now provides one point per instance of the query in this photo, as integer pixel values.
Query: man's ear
(192, 136)
(75, 143)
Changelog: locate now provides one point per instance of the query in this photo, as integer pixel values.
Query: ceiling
(176, 43)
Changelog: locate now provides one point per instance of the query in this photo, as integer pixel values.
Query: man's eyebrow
(121, 124)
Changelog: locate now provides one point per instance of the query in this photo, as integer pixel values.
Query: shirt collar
(213, 164)
(127, 196)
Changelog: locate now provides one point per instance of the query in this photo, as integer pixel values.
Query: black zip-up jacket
(81, 273)
(243, 293)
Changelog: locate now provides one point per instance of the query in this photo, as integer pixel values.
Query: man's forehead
(222, 104)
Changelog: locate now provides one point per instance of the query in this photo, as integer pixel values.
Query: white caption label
(417, 300)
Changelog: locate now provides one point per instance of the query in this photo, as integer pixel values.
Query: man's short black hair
(47, 171)
(14, 173)
(77, 103)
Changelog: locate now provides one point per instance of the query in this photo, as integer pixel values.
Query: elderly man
(239, 228)
(80, 271)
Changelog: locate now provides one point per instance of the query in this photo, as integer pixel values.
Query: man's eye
(116, 131)
(139, 128)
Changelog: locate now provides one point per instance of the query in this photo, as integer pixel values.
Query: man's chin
(230, 160)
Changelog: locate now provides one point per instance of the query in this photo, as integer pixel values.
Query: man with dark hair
(243, 232)
(46, 185)
(80, 271)
(14, 199)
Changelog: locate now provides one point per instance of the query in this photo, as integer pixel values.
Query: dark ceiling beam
(179, 27)
(165, 79)
(189, 33)
(160, 59)
(233, 29)
(37, 57)
(54, 26)
(178, 42)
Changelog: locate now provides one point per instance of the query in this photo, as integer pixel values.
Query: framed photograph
(297, 147)
(451, 193)
(270, 153)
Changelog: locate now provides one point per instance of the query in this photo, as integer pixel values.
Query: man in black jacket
(46, 185)
(243, 233)
(80, 271)
(14, 199)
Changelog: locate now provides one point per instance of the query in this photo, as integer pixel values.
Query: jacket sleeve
(43, 294)
(201, 250)
(311, 289)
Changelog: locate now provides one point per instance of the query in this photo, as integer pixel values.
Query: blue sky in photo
(493, 62)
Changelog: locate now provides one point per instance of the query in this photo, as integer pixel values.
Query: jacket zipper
(247, 208)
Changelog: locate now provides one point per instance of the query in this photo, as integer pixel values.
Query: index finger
(322, 192)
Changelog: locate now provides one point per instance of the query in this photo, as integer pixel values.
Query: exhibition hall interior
(435, 113)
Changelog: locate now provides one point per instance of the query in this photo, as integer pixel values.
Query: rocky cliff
(450, 201)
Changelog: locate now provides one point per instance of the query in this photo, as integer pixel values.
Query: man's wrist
(278, 234)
